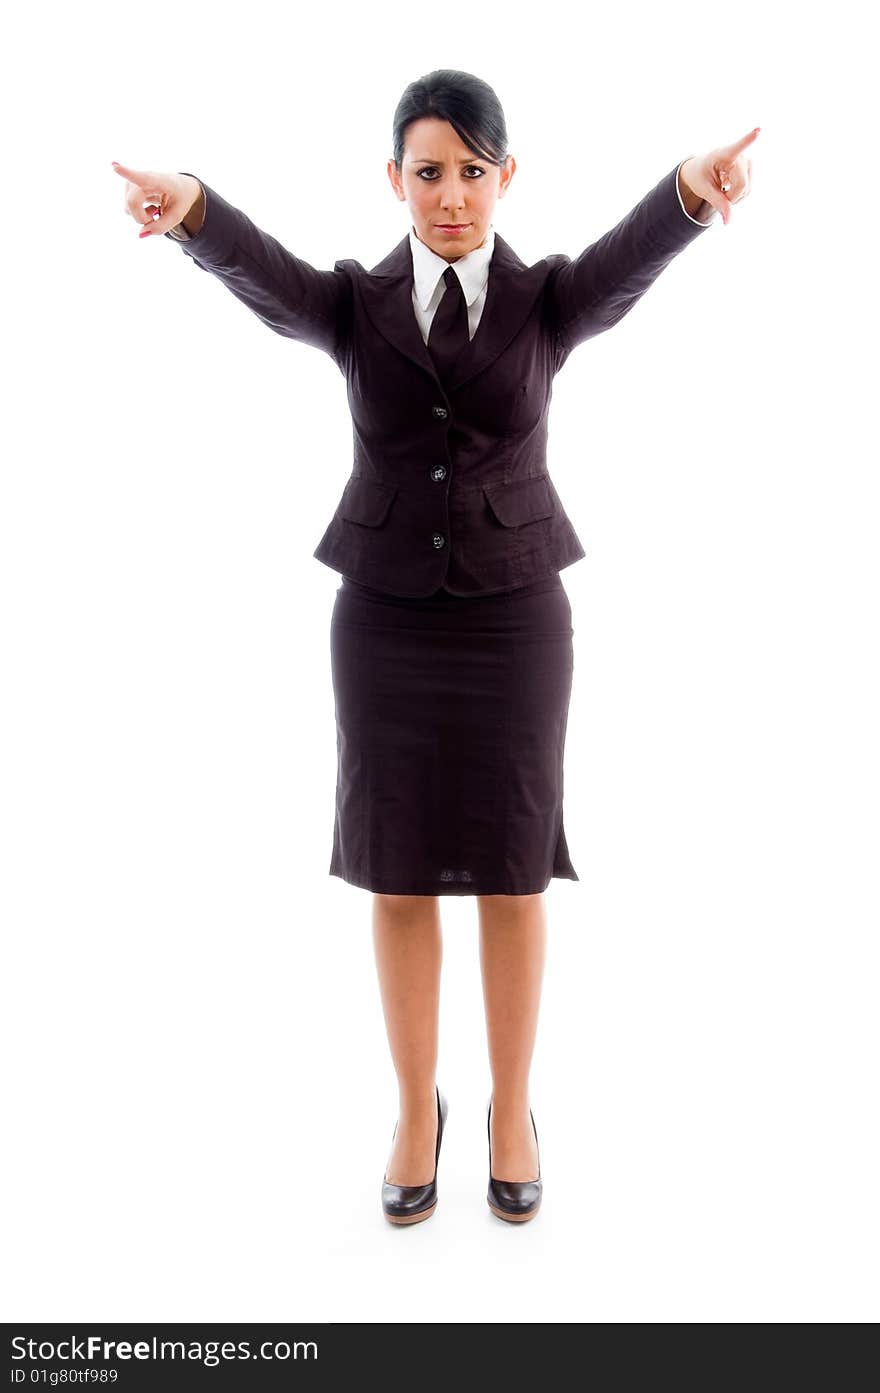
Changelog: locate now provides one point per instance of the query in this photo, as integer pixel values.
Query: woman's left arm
(590, 294)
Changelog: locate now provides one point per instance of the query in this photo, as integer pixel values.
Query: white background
(198, 1090)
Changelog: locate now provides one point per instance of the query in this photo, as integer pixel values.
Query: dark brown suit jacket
(448, 485)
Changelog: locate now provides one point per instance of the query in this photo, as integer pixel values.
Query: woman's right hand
(147, 194)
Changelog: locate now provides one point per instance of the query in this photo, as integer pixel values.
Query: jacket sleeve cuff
(214, 239)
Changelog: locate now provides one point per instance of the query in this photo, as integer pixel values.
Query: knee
(509, 902)
(404, 908)
(504, 910)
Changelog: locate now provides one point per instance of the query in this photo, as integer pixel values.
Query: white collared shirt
(429, 286)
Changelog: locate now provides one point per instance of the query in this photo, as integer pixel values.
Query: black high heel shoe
(410, 1204)
(515, 1200)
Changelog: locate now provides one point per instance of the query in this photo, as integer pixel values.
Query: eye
(428, 168)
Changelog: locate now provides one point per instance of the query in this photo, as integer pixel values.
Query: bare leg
(513, 936)
(408, 944)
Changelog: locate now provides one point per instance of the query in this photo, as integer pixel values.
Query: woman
(451, 636)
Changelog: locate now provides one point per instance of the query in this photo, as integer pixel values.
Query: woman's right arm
(288, 294)
(292, 297)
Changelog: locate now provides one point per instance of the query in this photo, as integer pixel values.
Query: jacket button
(438, 472)
(439, 412)
(439, 540)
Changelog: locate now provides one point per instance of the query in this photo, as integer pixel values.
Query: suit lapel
(511, 292)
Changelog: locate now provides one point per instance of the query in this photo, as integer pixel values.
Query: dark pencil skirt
(451, 715)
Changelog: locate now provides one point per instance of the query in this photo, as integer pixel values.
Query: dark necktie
(448, 336)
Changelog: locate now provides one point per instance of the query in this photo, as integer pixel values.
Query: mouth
(452, 226)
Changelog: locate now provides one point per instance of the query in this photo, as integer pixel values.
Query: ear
(395, 180)
(506, 175)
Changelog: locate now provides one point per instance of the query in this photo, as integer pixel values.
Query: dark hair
(466, 102)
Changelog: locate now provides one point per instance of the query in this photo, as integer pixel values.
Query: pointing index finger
(142, 177)
(738, 145)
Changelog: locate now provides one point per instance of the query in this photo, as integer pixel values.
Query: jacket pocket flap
(525, 500)
(366, 500)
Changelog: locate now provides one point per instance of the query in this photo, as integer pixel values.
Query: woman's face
(446, 184)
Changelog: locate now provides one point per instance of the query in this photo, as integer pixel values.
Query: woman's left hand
(724, 176)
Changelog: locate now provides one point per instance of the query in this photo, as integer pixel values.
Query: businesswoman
(451, 635)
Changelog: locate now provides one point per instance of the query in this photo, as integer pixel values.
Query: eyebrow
(422, 159)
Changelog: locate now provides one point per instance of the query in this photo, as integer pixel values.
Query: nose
(452, 202)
